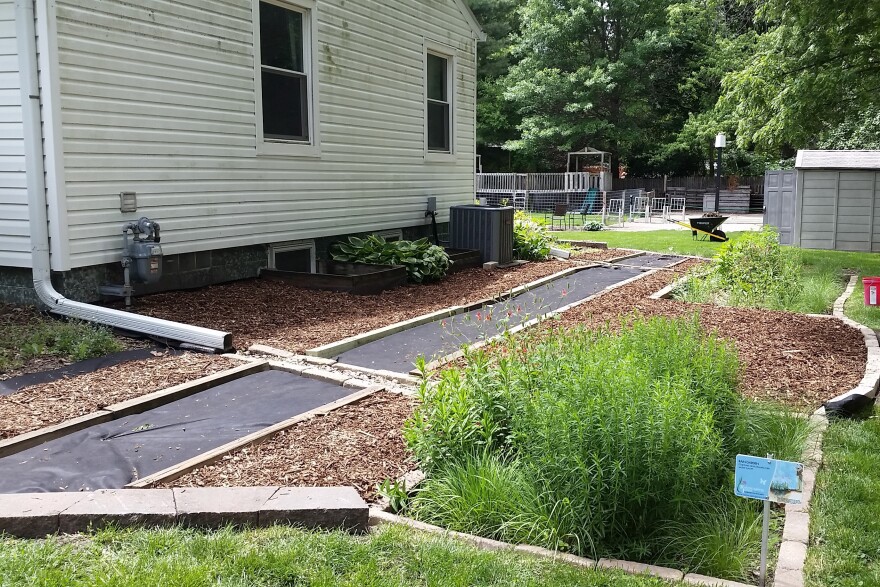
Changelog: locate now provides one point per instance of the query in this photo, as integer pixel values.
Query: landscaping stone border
(796, 531)
(36, 515)
(346, 344)
(379, 517)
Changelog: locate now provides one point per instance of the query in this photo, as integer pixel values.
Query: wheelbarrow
(705, 228)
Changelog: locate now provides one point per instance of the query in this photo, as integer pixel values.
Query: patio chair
(639, 207)
(676, 206)
(560, 213)
(614, 208)
(588, 206)
(658, 207)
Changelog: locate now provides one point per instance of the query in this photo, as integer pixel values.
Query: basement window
(293, 256)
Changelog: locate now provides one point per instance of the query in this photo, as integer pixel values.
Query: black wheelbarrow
(706, 228)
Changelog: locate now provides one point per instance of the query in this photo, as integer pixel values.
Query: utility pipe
(26, 35)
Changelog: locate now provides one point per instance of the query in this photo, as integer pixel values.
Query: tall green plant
(422, 260)
(531, 241)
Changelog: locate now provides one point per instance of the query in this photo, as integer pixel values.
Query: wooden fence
(695, 186)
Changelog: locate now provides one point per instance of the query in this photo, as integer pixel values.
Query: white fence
(512, 183)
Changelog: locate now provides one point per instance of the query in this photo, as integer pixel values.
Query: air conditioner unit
(488, 229)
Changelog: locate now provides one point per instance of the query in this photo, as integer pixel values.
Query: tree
(815, 68)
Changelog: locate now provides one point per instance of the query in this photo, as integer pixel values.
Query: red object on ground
(872, 291)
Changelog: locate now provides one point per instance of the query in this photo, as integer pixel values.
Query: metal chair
(676, 206)
(639, 207)
(614, 208)
(588, 206)
(658, 207)
(560, 213)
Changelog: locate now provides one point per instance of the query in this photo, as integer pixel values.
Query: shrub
(531, 240)
(755, 270)
(423, 261)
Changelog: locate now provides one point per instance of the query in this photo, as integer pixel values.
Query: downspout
(39, 219)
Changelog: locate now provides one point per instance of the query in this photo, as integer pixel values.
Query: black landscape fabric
(111, 455)
(398, 352)
(14, 384)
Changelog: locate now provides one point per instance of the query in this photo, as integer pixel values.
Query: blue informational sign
(770, 479)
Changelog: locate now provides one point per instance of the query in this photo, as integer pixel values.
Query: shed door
(779, 201)
(855, 205)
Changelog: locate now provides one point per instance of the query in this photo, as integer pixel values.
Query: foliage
(813, 67)
(395, 492)
(593, 442)
(72, 340)
(594, 226)
(531, 240)
(280, 556)
(845, 511)
(423, 261)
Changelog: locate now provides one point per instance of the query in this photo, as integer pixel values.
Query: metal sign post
(770, 481)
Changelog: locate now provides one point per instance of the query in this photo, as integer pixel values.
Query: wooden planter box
(464, 259)
(354, 278)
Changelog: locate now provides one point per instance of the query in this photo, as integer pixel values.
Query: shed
(837, 203)
(242, 126)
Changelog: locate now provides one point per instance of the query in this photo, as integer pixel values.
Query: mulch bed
(360, 444)
(788, 358)
(51, 403)
(17, 316)
(281, 315)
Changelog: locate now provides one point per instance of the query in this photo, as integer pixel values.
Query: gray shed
(836, 203)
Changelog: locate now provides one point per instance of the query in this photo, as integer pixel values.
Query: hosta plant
(422, 260)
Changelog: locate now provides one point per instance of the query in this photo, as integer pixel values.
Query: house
(836, 200)
(246, 128)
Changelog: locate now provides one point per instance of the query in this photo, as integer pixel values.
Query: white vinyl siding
(158, 97)
(14, 228)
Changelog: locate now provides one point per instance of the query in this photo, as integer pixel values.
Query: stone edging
(379, 517)
(36, 515)
(796, 532)
(869, 384)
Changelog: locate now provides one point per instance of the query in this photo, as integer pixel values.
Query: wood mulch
(51, 403)
(360, 444)
(281, 315)
(789, 358)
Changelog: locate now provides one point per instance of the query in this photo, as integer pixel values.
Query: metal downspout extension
(39, 219)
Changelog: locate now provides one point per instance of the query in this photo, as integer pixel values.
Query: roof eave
(476, 27)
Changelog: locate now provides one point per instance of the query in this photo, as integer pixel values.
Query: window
(439, 106)
(285, 68)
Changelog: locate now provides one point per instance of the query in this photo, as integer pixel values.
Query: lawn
(824, 270)
(845, 520)
(279, 557)
(663, 241)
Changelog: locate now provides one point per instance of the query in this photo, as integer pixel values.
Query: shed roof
(837, 160)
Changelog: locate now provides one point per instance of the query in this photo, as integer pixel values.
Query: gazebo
(600, 164)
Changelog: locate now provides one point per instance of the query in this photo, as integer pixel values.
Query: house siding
(14, 228)
(159, 98)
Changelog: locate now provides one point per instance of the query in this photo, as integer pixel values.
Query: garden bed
(31, 342)
(51, 403)
(282, 315)
(791, 358)
(353, 278)
(360, 445)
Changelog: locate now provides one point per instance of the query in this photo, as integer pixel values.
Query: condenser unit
(488, 229)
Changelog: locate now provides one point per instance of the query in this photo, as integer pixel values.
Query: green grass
(845, 513)
(823, 271)
(24, 335)
(281, 557)
(662, 241)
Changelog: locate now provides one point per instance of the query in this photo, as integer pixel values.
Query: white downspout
(26, 35)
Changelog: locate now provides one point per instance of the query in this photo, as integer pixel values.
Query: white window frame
(291, 246)
(448, 53)
(395, 234)
(281, 147)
